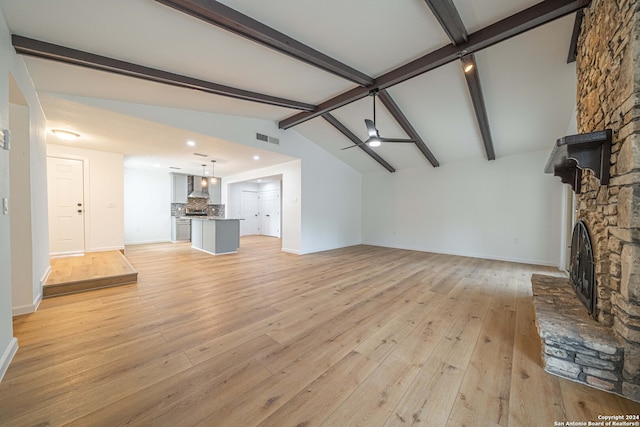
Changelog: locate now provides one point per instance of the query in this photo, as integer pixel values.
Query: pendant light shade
(213, 175)
(204, 182)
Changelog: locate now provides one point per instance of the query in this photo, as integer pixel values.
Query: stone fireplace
(603, 350)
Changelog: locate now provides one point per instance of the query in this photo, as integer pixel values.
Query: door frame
(83, 162)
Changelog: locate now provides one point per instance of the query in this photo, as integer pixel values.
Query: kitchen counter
(210, 218)
(215, 235)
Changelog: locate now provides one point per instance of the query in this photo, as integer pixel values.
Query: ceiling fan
(375, 140)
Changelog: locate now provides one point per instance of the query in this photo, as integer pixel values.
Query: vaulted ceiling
(309, 66)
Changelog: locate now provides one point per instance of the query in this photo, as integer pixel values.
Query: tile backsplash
(178, 209)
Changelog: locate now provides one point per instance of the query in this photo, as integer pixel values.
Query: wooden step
(90, 271)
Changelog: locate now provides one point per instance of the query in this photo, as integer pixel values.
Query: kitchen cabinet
(216, 235)
(179, 191)
(180, 229)
(215, 191)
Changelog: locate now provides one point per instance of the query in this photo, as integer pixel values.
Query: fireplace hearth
(582, 269)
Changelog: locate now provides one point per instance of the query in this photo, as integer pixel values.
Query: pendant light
(213, 176)
(203, 182)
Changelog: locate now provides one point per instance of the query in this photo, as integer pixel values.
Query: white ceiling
(529, 88)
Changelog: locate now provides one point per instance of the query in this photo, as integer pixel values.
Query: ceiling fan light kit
(375, 140)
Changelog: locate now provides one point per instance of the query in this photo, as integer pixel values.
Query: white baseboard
(29, 308)
(37, 300)
(33, 307)
(45, 276)
(7, 356)
(23, 309)
(147, 242)
(291, 251)
(65, 254)
(106, 249)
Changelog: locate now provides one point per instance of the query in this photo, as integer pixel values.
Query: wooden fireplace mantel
(573, 153)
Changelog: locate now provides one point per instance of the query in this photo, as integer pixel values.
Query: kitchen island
(215, 235)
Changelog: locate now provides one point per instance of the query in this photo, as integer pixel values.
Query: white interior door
(249, 206)
(269, 213)
(65, 185)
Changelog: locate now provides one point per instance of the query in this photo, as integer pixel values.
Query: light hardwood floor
(357, 336)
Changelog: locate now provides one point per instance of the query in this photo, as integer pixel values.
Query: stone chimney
(605, 352)
(608, 70)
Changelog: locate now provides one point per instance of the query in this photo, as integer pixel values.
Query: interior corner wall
(147, 206)
(21, 233)
(12, 64)
(8, 344)
(506, 209)
(332, 204)
(103, 196)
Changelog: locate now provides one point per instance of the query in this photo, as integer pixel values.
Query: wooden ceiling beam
(364, 147)
(402, 120)
(528, 19)
(229, 19)
(447, 14)
(44, 50)
(449, 18)
(472, 77)
(573, 46)
(222, 16)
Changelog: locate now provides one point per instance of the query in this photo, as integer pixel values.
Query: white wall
(103, 196)
(506, 209)
(12, 64)
(147, 206)
(233, 208)
(21, 237)
(8, 344)
(291, 196)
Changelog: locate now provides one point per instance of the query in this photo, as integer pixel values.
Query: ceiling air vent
(200, 155)
(174, 167)
(267, 138)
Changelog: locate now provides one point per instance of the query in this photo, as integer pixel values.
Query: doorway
(65, 185)
(259, 203)
(269, 213)
(249, 208)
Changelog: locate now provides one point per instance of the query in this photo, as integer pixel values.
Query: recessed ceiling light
(191, 143)
(256, 157)
(65, 134)
(157, 165)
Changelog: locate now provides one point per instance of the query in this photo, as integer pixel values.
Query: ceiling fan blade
(396, 140)
(371, 128)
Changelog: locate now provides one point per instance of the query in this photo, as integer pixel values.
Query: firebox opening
(582, 269)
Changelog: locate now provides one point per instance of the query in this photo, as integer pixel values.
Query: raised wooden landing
(93, 270)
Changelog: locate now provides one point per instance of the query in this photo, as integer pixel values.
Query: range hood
(197, 191)
(198, 195)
